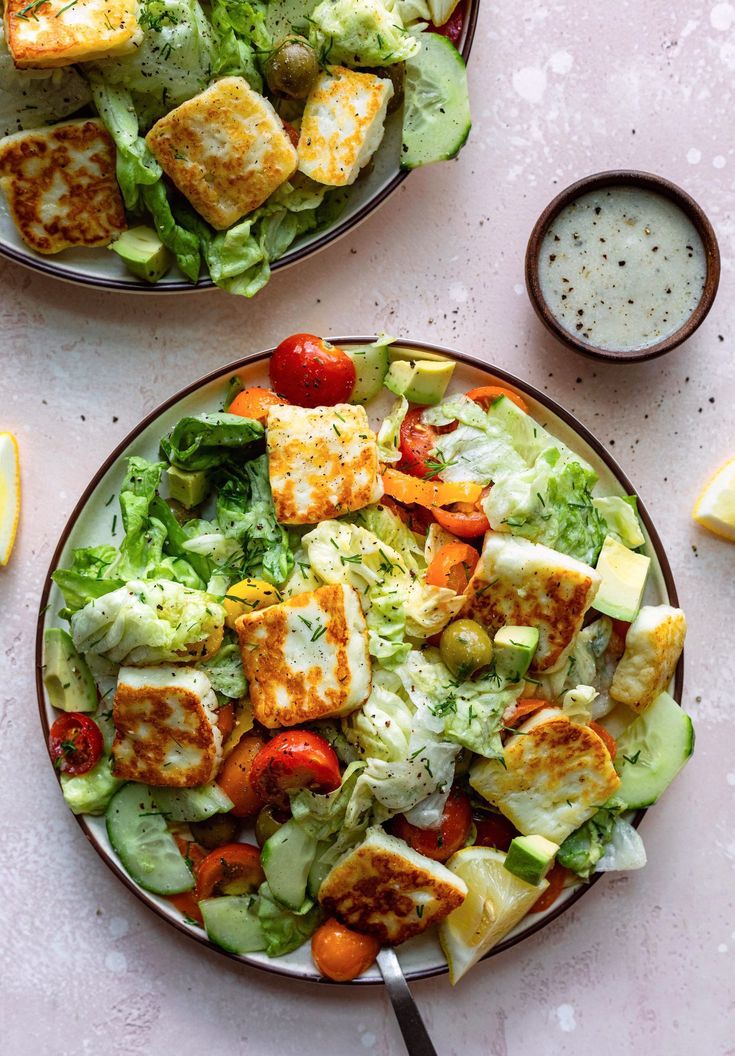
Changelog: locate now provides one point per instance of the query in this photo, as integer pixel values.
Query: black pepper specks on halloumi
(322, 462)
(60, 186)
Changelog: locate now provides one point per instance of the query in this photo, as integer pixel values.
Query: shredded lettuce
(283, 929)
(583, 849)
(577, 704)
(208, 440)
(224, 670)
(625, 850)
(32, 98)
(621, 517)
(136, 166)
(389, 434)
(381, 728)
(368, 33)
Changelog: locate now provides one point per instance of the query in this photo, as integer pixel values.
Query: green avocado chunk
(143, 253)
(422, 381)
(530, 857)
(624, 575)
(514, 649)
(67, 678)
(189, 487)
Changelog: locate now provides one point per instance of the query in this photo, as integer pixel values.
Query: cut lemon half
(496, 900)
(715, 507)
(9, 494)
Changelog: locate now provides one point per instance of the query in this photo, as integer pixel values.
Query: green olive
(215, 831)
(268, 821)
(465, 647)
(396, 74)
(291, 68)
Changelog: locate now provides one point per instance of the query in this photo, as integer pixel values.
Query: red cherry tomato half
(308, 371)
(453, 27)
(451, 834)
(417, 441)
(292, 760)
(557, 879)
(233, 869)
(75, 742)
(493, 830)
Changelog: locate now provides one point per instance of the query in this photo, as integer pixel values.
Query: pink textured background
(645, 963)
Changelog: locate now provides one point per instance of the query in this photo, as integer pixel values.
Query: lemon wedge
(9, 494)
(715, 507)
(496, 900)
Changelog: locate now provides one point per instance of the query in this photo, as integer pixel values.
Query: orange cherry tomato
(225, 720)
(494, 830)
(310, 372)
(485, 395)
(233, 869)
(453, 567)
(235, 777)
(187, 905)
(292, 760)
(451, 833)
(255, 403)
(463, 520)
(557, 879)
(522, 708)
(340, 953)
(606, 737)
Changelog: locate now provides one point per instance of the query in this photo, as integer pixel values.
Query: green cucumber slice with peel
(652, 750)
(232, 923)
(147, 850)
(436, 116)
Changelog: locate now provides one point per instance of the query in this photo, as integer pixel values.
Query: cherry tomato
(310, 372)
(451, 834)
(75, 742)
(452, 567)
(291, 132)
(417, 441)
(493, 830)
(557, 879)
(254, 403)
(454, 26)
(292, 760)
(187, 905)
(340, 953)
(606, 737)
(234, 869)
(462, 520)
(235, 776)
(487, 394)
(225, 720)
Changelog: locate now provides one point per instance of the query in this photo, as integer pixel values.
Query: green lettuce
(582, 850)
(241, 38)
(360, 33)
(183, 243)
(389, 434)
(390, 529)
(224, 670)
(283, 929)
(208, 440)
(621, 517)
(381, 728)
(135, 165)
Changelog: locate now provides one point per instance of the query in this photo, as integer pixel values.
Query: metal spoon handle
(415, 1035)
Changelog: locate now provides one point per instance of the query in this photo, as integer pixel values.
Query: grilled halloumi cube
(556, 775)
(165, 727)
(306, 658)
(322, 462)
(226, 150)
(343, 125)
(60, 186)
(385, 888)
(51, 33)
(653, 646)
(529, 585)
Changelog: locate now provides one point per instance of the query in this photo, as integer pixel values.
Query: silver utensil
(415, 1034)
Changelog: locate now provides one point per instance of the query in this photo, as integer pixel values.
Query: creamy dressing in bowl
(622, 268)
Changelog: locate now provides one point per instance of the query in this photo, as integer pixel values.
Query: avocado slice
(414, 355)
(513, 649)
(371, 366)
(143, 252)
(423, 381)
(530, 857)
(67, 678)
(189, 487)
(624, 575)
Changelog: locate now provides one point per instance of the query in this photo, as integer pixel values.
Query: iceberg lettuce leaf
(364, 33)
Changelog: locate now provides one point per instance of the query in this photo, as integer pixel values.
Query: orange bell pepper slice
(409, 490)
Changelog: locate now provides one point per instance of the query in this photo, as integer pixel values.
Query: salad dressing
(622, 268)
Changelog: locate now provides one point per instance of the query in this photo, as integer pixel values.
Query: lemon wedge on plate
(9, 494)
(715, 507)
(496, 900)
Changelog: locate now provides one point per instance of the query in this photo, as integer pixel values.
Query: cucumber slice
(67, 678)
(371, 366)
(287, 858)
(232, 922)
(318, 872)
(147, 850)
(436, 116)
(653, 749)
(191, 804)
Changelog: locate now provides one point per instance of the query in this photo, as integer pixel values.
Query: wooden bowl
(629, 178)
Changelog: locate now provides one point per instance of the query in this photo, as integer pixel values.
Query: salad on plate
(342, 677)
(214, 134)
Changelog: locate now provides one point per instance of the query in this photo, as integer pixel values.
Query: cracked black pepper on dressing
(622, 268)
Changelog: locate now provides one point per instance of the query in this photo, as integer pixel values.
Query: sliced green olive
(465, 647)
(291, 68)
(215, 831)
(268, 821)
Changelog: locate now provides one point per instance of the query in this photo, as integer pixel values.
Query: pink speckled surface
(644, 963)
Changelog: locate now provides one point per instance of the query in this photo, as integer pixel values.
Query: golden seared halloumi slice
(343, 125)
(526, 584)
(553, 777)
(165, 727)
(322, 462)
(60, 186)
(385, 888)
(226, 150)
(653, 645)
(306, 658)
(59, 33)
